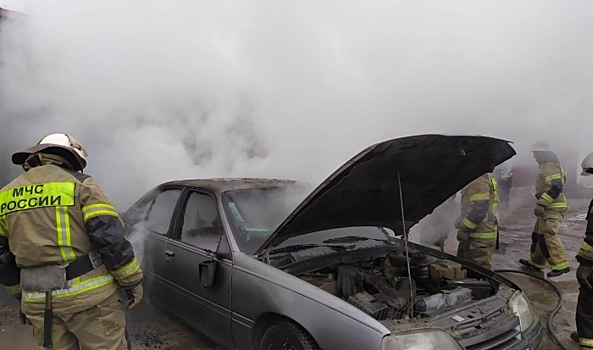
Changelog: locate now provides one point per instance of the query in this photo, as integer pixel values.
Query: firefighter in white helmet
(546, 246)
(62, 248)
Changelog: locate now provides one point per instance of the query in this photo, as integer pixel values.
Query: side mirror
(207, 271)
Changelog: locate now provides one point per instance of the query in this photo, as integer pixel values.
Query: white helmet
(587, 165)
(55, 144)
(540, 146)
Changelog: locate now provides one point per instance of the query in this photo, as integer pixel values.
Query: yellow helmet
(56, 144)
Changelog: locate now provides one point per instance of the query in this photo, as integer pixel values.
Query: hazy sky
(161, 90)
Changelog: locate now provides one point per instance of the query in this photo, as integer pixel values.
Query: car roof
(221, 185)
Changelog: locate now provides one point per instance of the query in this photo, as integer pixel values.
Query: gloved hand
(458, 221)
(539, 211)
(23, 318)
(583, 273)
(462, 235)
(134, 296)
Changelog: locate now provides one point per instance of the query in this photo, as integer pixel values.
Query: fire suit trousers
(477, 250)
(546, 246)
(100, 327)
(584, 319)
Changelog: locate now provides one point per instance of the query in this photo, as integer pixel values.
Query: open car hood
(365, 190)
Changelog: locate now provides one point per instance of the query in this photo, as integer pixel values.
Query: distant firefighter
(477, 226)
(505, 183)
(551, 205)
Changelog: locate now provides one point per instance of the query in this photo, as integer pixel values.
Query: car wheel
(287, 335)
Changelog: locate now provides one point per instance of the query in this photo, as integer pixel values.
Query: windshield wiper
(346, 239)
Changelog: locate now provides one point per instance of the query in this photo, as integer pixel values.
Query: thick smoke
(186, 89)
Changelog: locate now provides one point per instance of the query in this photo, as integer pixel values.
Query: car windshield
(255, 213)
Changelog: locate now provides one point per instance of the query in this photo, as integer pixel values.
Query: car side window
(161, 211)
(201, 223)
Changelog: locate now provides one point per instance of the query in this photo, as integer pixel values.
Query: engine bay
(391, 286)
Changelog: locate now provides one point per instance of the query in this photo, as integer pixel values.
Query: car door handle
(169, 255)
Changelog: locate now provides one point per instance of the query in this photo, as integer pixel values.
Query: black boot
(556, 273)
(574, 336)
(528, 264)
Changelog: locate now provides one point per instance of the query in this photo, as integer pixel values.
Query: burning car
(244, 263)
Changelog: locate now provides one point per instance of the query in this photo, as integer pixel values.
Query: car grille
(494, 335)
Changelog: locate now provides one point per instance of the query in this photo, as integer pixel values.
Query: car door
(148, 225)
(196, 238)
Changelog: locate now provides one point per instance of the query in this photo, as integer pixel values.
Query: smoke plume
(184, 89)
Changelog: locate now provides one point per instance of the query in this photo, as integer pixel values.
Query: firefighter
(551, 205)
(584, 315)
(60, 233)
(505, 183)
(477, 226)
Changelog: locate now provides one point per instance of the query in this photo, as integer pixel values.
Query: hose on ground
(553, 313)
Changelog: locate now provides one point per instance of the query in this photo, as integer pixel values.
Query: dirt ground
(151, 329)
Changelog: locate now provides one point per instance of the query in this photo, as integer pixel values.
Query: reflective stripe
(479, 197)
(586, 247)
(560, 266)
(90, 211)
(129, 269)
(547, 198)
(469, 224)
(496, 196)
(64, 237)
(49, 194)
(85, 286)
(586, 342)
(483, 235)
(530, 262)
(3, 226)
(558, 205)
(13, 290)
(553, 177)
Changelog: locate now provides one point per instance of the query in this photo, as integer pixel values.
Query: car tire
(287, 335)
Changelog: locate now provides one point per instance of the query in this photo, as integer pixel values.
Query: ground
(152, 330)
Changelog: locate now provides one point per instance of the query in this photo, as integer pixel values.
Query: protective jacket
(585, 254)
(549, 185)
(479, 206)
(584, 314)
(51, 215)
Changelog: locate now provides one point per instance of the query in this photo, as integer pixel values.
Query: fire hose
(553, 313)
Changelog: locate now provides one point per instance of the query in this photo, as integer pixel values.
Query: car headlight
(522, 308)
(425, 340)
